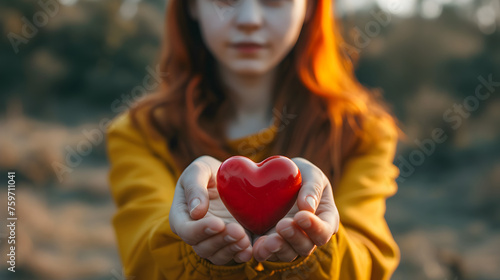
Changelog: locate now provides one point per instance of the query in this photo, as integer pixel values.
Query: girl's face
(249, 37)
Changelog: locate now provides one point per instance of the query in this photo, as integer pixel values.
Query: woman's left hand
(311, 222)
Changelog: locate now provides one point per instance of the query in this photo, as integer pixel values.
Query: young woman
(254, 78)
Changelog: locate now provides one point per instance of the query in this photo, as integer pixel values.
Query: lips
(248, 47)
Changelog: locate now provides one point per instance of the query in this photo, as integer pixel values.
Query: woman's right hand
(200, 219)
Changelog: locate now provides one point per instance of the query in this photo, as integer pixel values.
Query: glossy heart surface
(258, 195)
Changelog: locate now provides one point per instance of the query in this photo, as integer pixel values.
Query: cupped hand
(200, 219)
(311, 222)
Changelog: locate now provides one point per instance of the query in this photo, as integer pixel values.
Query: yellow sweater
(143, 178)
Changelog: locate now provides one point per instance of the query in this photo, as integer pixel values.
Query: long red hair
(317, 84)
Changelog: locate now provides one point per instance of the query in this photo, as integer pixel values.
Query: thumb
(313, 184)
(309, 196)
(195, 180)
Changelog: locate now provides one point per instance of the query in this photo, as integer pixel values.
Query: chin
(251, 68)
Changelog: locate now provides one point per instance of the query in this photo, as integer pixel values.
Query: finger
(266, 246)
(284, 252)
(258, 251)
(233, 233)
(256, 243)
(228, 253)
(316, 229)
(293, 235)
(269, 232)
(196, 179)
(185, 227)
(244, 256)
(194, 232)
(314, 182)
(327, 210)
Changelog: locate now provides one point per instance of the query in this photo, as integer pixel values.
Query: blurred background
(69, 66)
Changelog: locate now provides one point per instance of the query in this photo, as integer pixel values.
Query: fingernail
(268, 256)
(194, 203)
(229, 239)
(276, 250)
(305, 223)
(287, 232)
(311, 201)
(210, 231)
(243, 256)
(236, 248)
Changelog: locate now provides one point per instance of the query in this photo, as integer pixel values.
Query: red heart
(258, 195)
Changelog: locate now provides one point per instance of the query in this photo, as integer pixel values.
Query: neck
(250, 95)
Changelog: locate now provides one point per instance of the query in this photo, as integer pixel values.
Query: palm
(217, 208)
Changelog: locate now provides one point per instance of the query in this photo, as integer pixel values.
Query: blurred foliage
(86, 55)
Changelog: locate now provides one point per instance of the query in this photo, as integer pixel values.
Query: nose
(249, 15)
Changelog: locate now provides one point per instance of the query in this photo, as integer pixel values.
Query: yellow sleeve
(363, 248)
(142, 185)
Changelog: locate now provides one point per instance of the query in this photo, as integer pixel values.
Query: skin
(200, 218)
(249, 77)
(309, 223)
(249, 80)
